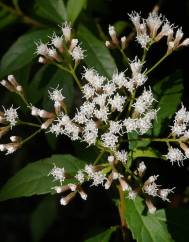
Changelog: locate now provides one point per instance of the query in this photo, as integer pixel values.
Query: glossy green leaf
(74, 8)
(135, 142)
(22, 51)
(102, 237)
(34, 180)
(168, 92)
(148, 152)
(146, 227)
(53, 10)
(41, 220)
(97, 55)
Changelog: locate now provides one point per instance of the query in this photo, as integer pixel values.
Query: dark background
(73, 222)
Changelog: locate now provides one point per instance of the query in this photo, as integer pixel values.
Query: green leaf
(149, 227)
(178, 223)
(168, 92)
(6, 18)
(53, 10)
(149, 152)
(74, 8)
(102, 237)
(41, 220)
(22, 51)
(120, 26)
(134, 143)
(51, 77)
(97, 55)
(34, 180)
(65, 82)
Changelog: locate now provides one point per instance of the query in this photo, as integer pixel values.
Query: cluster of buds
(154, 28)
(12, 85)
(115, 41)
(60, 48)
(11, 147)
(106, 177)
(57, 97)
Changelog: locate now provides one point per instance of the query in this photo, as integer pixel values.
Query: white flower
(58, 174)
(109, 88)
(57, 41)
(98, 178)
(56, 129)
(112, 31)
(88, 108)
(77, 53)
(100, 100)
(121, 156)
(117, 102)
(143, 40)
(175, 155)
(132, 195)
(11, 115)
(80, 176)
(42, 49)
(71, 130)
(102, 113)
(141, 168)
(94, 78)
(89, 169)
(66, 29)
(144, 101)
(88, 91)
(182, 115)
(80, 118)
(109, 140)
(154, 21)
(119, 79)
(90, 132)
(56, 96)
(136, 66)
(135, 18)
(151, 189)
(178, 128)
(130, 124)
(115, 127)
(163, 193)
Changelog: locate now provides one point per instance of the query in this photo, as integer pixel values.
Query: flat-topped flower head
(154, 21)
(42, 49)
(11, 115)
(77, 53)
(57, 41)
(58, 173)
(56, 95)
(175, 156)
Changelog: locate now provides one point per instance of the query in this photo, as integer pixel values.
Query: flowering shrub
(116, 111)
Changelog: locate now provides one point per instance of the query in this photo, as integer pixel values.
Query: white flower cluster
(180, 130)
(152, 189)
(181, 123)
(58, 45)
(154, 28)
(99, 176)
(9, 116)
(102, 99)
(143, 114)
